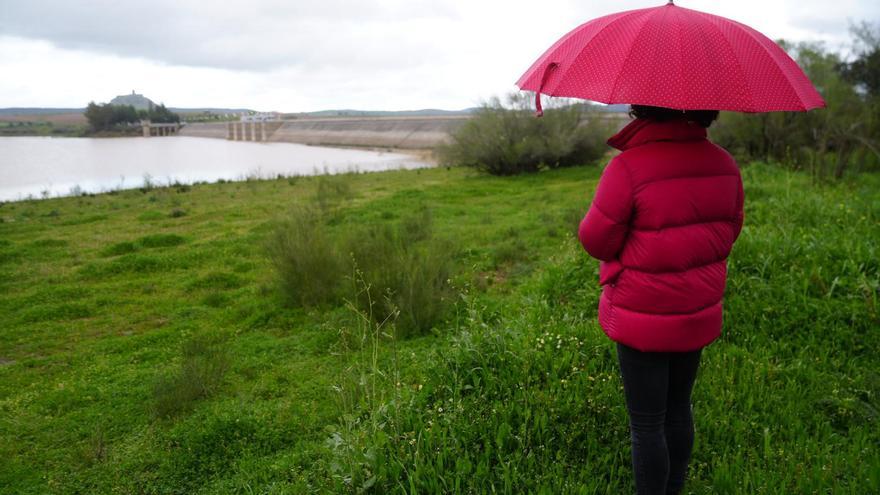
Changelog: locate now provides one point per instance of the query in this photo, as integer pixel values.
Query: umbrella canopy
(672, 57)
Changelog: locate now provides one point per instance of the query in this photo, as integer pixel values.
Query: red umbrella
(672, 57)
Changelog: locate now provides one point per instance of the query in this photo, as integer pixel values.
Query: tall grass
(308, 261)
(203, 365)
(526, 398)
(406, 269)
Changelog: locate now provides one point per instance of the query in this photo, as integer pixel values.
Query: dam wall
(379, 132)
(208, 130)
(391, 132)
(384, 132)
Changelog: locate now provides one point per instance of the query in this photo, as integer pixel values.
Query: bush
(509, 141)
(407, 273)
(200, 374)
(404, 268)
(308, 261)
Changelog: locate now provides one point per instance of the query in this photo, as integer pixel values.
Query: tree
(160, 114)
(106, 117)
(827, 141)
(864, 71)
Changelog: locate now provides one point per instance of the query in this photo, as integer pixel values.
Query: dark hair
(662, 114)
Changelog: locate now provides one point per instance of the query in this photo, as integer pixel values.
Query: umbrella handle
(539, 110)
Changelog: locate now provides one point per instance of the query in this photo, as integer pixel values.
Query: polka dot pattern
(673, 57)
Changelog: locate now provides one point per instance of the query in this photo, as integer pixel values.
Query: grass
(145, 352)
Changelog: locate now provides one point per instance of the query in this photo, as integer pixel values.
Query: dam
(384, 132)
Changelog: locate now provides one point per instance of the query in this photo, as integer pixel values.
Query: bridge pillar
(229, 130)
(145, 127)
(263, 132)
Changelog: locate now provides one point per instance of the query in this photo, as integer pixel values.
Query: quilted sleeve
(604, 228)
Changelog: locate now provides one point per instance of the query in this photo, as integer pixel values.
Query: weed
(308, 262)
(200, 374)
(148, 184)
(332, 190)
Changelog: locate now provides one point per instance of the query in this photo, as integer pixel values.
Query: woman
(664, 218)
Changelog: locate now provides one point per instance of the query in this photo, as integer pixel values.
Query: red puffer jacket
(666, 213)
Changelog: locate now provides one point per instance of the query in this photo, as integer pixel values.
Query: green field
(145, 346)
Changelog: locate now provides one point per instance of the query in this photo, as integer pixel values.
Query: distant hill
(211, 110)
(427, 112)
(38, 111)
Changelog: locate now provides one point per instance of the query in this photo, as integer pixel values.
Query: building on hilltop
(138, 101)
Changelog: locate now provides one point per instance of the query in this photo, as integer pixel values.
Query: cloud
(252, 35)
(297, 55)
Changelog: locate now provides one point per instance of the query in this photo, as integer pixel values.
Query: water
(43, 166)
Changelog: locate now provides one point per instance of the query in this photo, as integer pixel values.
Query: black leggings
(658, 388)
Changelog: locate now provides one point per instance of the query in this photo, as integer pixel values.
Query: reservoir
(44, 166)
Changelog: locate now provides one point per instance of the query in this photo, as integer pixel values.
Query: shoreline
(406, 159)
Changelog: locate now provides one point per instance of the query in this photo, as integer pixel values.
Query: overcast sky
(305, 55)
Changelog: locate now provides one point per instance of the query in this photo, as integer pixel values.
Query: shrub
(407, 273)
(332, 190)
(309, 263)
(200, 374)
(507, 141)
(406, 270)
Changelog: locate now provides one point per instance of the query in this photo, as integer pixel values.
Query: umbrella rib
(628, 53)
(580, 52)
(750, 93)
(774, 65)
(795, 87)
(679, 51)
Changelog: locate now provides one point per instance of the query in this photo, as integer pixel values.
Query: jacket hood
(641, 131)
